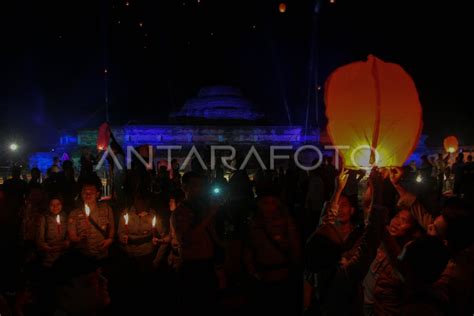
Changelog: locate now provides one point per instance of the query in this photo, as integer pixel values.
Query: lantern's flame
(451, 149)
(364, 157)
(153, 222)
(58, 219)
(126, 218)
(87, 210)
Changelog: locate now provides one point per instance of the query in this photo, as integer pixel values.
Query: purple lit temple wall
(200, 136)
(182, 135)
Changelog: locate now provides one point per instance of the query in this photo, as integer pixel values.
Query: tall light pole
(313, 69)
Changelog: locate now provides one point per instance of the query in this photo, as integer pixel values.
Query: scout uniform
(97, 228)
(140, 232)
(51, 234)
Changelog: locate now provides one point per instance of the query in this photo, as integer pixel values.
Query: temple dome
(218, 103)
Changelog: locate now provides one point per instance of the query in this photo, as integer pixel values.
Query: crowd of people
(287, 242)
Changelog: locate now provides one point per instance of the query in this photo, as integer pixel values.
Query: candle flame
(58, 219)
(87, 210)
(126, 218)
(153, 223)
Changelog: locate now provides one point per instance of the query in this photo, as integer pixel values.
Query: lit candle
(126, 223)
(58, 222)
(87, 210)
(153, 224)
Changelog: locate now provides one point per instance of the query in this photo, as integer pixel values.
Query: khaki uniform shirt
(140, 232)
(79, 225)
(49, 234)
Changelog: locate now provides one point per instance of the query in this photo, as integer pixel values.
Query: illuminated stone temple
(219, 115)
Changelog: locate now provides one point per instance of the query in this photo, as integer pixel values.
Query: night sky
(158, 53)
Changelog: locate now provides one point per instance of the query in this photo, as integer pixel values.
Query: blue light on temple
(218, 103)
(219, 115)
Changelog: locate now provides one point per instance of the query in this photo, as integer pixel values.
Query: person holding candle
(52, 233)
(140, 230)
(91, 226)
(168, 253)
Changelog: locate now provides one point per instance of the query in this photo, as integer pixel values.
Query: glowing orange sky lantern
(103, 137)
(451, 144)
(282, 7)
(373, 105)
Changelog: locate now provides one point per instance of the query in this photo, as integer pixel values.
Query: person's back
(455, 287)
(272, 256)
(338, 282)
(315, 199)
(329, 176)
(468, 181)
(191, 230)
(457, 169)
(195, 269)
(425, 168)
(456, 284)
(420, 264)
(32, 211)
(273, 240)
(35, 177)
(15, 189)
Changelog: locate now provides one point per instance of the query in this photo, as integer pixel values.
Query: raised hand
(376, 185)
(395, 175)
(341, 179)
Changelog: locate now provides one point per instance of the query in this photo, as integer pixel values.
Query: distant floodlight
(13, 147)
(419, 179)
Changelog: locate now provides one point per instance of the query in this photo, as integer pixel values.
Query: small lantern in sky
(103, 137)
(451, 144)
(282, 7)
